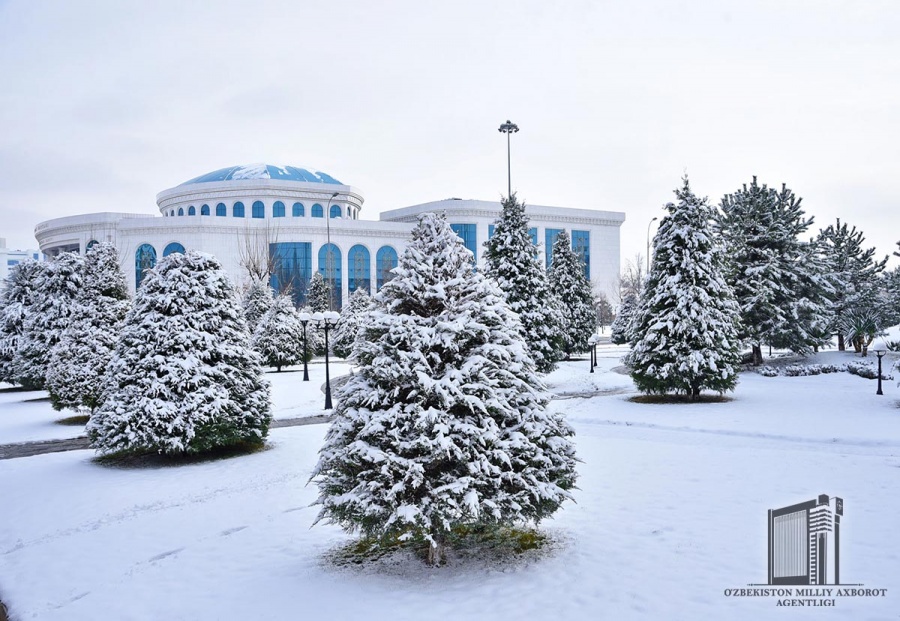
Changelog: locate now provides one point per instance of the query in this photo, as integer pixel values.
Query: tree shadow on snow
(138, 460)
(680, 399)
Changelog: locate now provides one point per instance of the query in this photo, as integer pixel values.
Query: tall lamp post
(327, 321)
(304, 319)
(508, 128)
(648, 242)
(329, 258)
(880, 353)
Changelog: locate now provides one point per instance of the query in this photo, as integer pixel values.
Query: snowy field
(670, 513)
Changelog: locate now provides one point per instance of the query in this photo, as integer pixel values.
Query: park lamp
(305, 319)
(327, 321)
(880, 353)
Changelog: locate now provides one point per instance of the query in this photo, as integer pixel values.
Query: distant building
(10, 257)
(298, 221)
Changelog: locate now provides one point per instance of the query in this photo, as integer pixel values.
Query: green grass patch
(149, 459)
(667, 399)
(75, 421)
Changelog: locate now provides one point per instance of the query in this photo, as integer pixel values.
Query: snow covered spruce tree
(279, 334)
(511, 259)
(48, 317)
(78, 362)
(317, 294)
(257, 301)
(352, 318)
(576, 301)
(183, 378)
(16, 298)
(685, 330)
(620, 331)
(446, 422)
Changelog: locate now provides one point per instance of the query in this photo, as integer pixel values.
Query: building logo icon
(802, 540)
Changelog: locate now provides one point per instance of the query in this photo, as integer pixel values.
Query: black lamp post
(508, 128)
(304, 319)
(592, 344)
(880, 353)
(327, 321)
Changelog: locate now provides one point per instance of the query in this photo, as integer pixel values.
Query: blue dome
(265, 171)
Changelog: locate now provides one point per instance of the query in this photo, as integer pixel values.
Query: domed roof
(265, 171)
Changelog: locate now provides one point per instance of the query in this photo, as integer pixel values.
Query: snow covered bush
(352, 317)
(279, 334)
(512, 260)
(767, 371)
(183, 378)
(575, 299)
(685, 331)
(868, 370)
(446, 423)
(258, 299)
(620, 331)
(16, 298)
(78, 362)
(317, 294)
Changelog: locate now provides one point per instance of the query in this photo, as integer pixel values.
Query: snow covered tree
(78, 362)
(605, 315)
(16, 298)
(257, 301)
(183, 378)
(685, 330)
(48, 317)
(279, 334)
(352, 317)
(446, 422)
(512, 260)
(570, 286)
(777, 279)
(318, 294)
(620, 332)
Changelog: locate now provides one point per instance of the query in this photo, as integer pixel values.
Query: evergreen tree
(352, 317)
(685, 335)
(318, 294)
(16, 299)
(48, 317)
(570, 286)
(620, 332)
(279, 334)
(257, 301)
(512, 260)
(183, 378)
(446, 422)
(78, 362)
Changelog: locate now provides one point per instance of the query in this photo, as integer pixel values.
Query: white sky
(104, 104)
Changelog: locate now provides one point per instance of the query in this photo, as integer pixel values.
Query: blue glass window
(490, 230)
(220, 209)
(298, 211)
(238, 211)
(385, 261)
(581, 245)
(277, 209)
(335, 211)
(192, 211)
(467, 233)
(90, 245)
(259, 210)
(359, 269)
(204, 211)
(291, 269)
(11, 262)
(35, 255)
(550, 236)
(330, 269)
(533, 232)
(144, 259)
(173, 247)
(317, 211)
(181, 211)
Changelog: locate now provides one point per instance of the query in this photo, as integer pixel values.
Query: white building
(276, 215)
(10, 257)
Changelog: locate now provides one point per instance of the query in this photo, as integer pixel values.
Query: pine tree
(570, 286)
(78, 362)
(279, 334)
(352, 318)
(512, 260)
(620, 332)
(257, 301)
(48, 317)
(16, 299)
(685, 335)
(446, 423)
(318, 294)
(183, 378)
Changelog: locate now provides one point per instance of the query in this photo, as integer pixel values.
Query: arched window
(385, 261)
(298, 211)
(330, 268)
(91, 244)
(278, 209)
(238, 211)
(359, 269)
(173, 247)
(317, 211)
(181, 211)
(192, 211)
(144, 259)
(172, 212)
(259, 210)
(220, 209)
(335, 211)
(204, 211)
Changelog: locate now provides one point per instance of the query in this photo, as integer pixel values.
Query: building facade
(291, 222)
(10, 257)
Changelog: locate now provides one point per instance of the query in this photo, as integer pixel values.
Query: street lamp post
(648, 242)
(508, 128)
(329, 258)
(327, 321)
(880, 353)
(304, 319)
(592, 344)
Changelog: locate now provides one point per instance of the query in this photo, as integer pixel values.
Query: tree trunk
(436, 551)
(841, 345)
(757, 355)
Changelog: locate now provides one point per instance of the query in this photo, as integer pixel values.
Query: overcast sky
(104, 104)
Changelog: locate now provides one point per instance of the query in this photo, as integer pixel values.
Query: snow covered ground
(670, 513)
